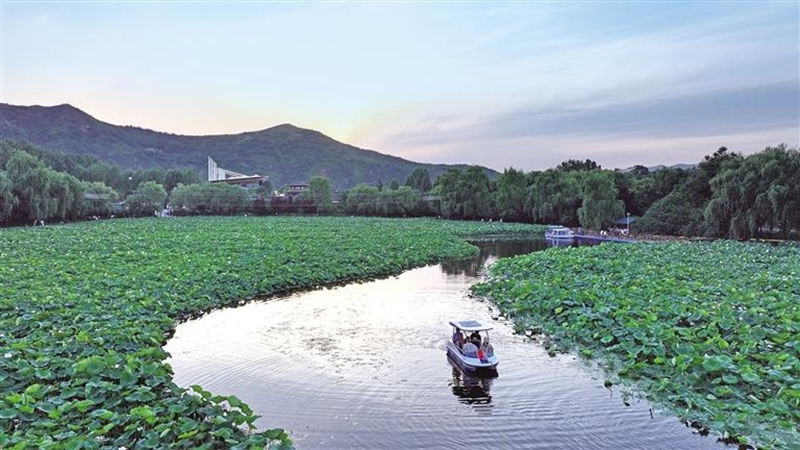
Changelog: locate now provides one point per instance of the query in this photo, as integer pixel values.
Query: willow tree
(31, 180)
(464, 194)
(554, 197)
(7, 198)
(600, 203)
(510, 194)
(761, 192)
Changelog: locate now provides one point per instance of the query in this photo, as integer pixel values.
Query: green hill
(285, 153)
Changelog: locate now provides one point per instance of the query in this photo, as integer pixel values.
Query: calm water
(364, 366)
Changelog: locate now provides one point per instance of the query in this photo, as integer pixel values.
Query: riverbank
(86, 308)
(708, 329)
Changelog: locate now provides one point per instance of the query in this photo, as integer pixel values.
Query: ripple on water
(364, 366)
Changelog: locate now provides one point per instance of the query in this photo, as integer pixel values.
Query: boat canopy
(469, 325)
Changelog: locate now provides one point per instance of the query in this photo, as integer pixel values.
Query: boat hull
(469, 364)
(559, 237)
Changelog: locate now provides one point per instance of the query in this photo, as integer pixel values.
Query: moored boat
(559, 233)
(470, 347)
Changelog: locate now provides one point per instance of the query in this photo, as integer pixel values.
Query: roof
(625, 220)
(469, 325)
(245, 179)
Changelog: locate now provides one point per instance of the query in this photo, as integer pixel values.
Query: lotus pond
(86, 308)
(710, 330)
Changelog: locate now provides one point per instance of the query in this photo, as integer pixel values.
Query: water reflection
(363, 366)
(490, 251)
(563, 242)
(472, 389)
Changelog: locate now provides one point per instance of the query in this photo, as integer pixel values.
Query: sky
(501, 84)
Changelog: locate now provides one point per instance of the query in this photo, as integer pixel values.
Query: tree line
(725, 195)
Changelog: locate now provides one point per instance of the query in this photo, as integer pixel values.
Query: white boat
(459, 350)
(559, 233)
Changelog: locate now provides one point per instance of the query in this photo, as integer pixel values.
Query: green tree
(31, 180)
(321, 194)
(98, 198)
(757, 192)
(676, 214)
(553, 197)
(420, 180)
(8, 201)
(209, 198)
(464, 195)
(173, 177)
(511, 194)
(600, 203)
(573, 165)
(148, 198)
(362, 200)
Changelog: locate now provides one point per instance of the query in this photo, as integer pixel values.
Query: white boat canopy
(469, 325)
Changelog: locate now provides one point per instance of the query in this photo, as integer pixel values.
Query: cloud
(752, 108)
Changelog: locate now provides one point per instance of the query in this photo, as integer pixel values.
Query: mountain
(683, 166)
(285, 153)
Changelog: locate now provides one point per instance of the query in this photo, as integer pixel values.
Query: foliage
(98, 199)
(149, 197)
(672, 215)
(653, 187)
(362, 200)
(321, 194)
(554, 197)
(762, 190)
(464, 194)
(420, 180)
(575, 165)
(710, 329)
(7, 198)
(209, 198)
(510, 195)
(285, 153)
(90, 169)
(86, 308)
(40, 192)
(600, 205)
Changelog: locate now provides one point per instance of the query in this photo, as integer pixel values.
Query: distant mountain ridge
(285, 153)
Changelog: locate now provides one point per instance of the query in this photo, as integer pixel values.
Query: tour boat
(559, 234)
(482, 358)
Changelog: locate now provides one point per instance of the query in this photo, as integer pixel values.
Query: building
(217, 174)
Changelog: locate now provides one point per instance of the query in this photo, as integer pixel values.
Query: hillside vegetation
(285, 153)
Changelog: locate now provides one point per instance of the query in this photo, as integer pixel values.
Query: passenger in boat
(458, 338)
(475, 338)
(470, 350)
(486, 347)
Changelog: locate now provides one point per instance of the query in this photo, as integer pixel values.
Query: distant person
(470, 350)
(486, 347)
(475, 338)
(458, 338)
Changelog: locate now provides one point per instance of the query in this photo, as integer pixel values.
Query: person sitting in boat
(486, 347)
(458, 338)
(470, 349)
(475, 338)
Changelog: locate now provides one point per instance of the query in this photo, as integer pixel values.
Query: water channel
(364, 366)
